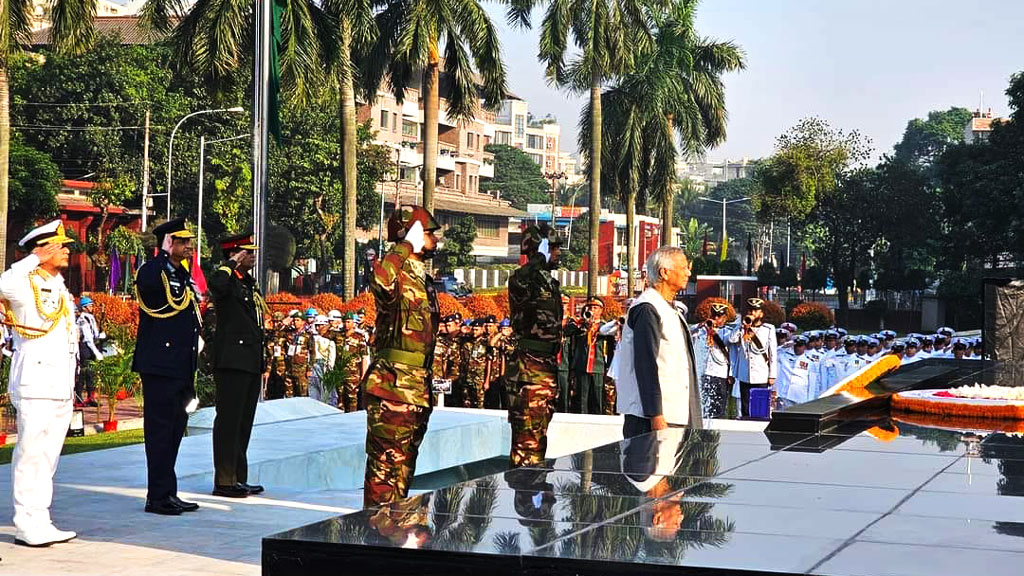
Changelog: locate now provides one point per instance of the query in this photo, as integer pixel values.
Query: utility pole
(145, 176)
(724, 203)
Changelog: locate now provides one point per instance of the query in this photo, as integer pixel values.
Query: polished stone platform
(885, 499)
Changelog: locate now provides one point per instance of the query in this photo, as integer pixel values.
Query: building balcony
(446, 155)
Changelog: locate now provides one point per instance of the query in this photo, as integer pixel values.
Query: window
(487, 227)
(537, 158)
(384, 118)
(394, 122)
(410, 129)
(551, 143)
(469, 139)
(535, 142)
(504, 113)
(503, 138)
(520, 126)
(458, 181)
(409, 174)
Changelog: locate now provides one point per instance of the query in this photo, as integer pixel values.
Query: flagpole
(259, 136)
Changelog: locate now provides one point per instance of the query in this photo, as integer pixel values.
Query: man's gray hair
(661, 258)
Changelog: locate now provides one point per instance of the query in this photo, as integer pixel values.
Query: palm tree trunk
(431, 104)
(349, 182)
(666, 205)
(595, 184)
(631, 239)
(5, 152)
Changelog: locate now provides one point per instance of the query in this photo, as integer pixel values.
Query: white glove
(415, 237)
(545, 250)
(102, 336)
(99, 356)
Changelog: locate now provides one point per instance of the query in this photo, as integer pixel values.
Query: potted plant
(115, 381)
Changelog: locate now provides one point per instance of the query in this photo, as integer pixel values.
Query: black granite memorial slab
(895, 499)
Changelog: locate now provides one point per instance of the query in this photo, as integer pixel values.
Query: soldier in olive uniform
(500, 354)
(276, 339)
(238, 364)
(591, 350)
(301, 353)
(475, 367)
(445, 368)
(353, 344)
(565, 351)
(398, 385)
(536, 306)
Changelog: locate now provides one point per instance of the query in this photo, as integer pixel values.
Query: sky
(869, 65)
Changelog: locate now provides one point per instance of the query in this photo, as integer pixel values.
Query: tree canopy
(517, 177)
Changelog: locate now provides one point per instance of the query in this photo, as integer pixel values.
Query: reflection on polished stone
(702, 499)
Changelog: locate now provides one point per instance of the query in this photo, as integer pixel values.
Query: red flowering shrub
(773, 313)
(812, 316)
(325, 302)
(612, 309)
(285, 302)
(363, 304)
(479, 306)
(113, 312)
(501, 301)
(450, 305)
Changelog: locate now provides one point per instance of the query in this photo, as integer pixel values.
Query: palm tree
(607, 34)
(413, 36)
(675, 89)
(71, 31)
(357, 29)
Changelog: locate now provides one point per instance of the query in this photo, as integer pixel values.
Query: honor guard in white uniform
(40, 313)
(712, 353)
(794, 385)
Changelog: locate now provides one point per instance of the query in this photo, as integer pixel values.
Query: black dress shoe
(235, 491)
(185, 506)
(163, 507)
(252, 488)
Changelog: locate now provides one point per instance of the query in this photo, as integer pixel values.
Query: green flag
(274, 112)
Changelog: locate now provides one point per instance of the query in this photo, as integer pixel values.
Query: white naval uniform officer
(42, 377)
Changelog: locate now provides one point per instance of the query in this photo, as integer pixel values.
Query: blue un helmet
(310, 313)
(84, 301)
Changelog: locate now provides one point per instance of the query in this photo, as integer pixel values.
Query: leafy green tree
(766, 274)
(814, 279)
(810, 162)
(706, 265)
(458, 245)
(910, 226)
(787, 277)
(34, 184)
(71, 32)
(517, 177)
(730, 267)
(694, 234)
(374, 164)
(924, 140)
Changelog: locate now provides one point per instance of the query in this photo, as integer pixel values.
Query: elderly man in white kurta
(40, 313)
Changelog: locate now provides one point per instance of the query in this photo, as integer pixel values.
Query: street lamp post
(724, 203)
(554, 177)
(170, 151)
(202, 155)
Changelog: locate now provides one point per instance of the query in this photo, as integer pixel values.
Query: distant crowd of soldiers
(471, 364)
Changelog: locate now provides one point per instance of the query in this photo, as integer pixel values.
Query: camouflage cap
(405, 216)
(533, 235)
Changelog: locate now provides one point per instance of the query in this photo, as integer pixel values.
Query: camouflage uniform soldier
(501, 355)
(536, 307)
(398, 385)
(475, 367)
(276, 354)
(301, 353)
(565, 356)
(354, 346)
(446, 356)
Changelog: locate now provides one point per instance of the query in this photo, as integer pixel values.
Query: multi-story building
(462, 163)
(104, 8)
(541, 138)
(711, 173)
(979, 126)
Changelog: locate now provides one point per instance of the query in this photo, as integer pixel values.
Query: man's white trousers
(42, 426)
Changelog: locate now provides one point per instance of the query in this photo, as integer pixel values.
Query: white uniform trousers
(42, 425)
